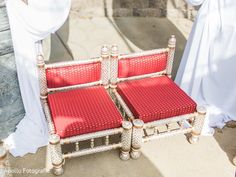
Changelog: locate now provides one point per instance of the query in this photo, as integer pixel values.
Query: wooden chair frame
(189, 123)
(55, 143)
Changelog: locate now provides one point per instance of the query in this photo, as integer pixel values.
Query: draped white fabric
(207, 70)
(30, 23)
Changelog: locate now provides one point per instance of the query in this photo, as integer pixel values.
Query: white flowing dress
(30, 23)
(207, 70)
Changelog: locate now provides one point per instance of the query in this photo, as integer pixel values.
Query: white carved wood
(171, 53)
(72, 63)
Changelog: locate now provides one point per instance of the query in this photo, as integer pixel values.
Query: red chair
(77, 107)
(150, 99)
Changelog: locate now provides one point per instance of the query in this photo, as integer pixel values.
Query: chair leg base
(57, 171)
(135, 153)
(193, 139)
(124, 155)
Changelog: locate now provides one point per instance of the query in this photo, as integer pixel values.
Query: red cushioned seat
(155, 98)
(81, 111)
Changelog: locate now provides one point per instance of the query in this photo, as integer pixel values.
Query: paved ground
(81, 38)
(170, 157)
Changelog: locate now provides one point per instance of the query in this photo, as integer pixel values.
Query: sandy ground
(169, 157)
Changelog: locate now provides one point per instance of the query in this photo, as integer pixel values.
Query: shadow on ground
(129, 33)
(56, 48)
(106, 164)
(226, 140)
(152, 33)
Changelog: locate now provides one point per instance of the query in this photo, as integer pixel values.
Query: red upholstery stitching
(73, 75)
(142, 65)
(155, 98)
(83, 111)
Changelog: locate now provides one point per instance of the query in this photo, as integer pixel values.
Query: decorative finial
(105, 51)
(54, 139)
(172, 41)
(114, 50)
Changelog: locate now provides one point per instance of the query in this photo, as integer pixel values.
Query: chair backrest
(143, 64)
(132, 65)
(73, 74)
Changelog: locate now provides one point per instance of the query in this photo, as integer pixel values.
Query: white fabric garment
(30, 23)
(207, 70)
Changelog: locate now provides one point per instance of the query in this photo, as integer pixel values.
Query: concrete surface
(11, 106)
(169, 157)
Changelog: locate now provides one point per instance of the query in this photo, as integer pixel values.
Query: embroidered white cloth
(207, 70)
(30, 23)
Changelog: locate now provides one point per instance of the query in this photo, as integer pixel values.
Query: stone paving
(11, 107)
(169, 157)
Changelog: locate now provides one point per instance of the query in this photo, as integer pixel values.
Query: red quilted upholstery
(155, 98)
(81, 111)
(72, 75)
(142, 65)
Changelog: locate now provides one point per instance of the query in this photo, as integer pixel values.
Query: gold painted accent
(134, 149)
(130, 118)
(112, 86)
(126, 125)
(43, 96)
(138, 127)
(40, 65)
(106, 86)
(203, 114)
(194, 133)
(56, 143)
(60, 164)
(3, 157)
(122, 150)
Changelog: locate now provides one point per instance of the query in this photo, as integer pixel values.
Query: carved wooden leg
(4, 163)
(126, 140)
(197, 125)
(56, 154)
(137, 138)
